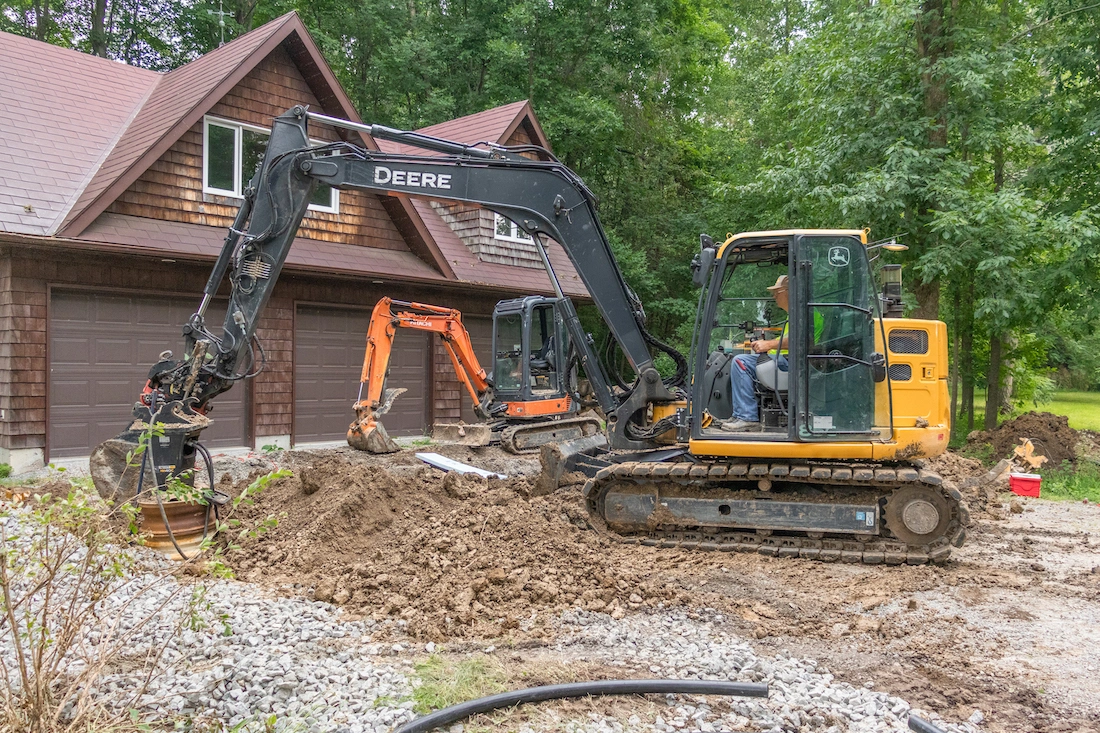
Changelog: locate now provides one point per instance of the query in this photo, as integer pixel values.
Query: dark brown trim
(52, 244)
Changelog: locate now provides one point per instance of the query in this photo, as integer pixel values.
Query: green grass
(1065, 484)
(445, 682)
(1082, 408)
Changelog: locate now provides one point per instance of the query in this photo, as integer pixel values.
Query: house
(116, 189)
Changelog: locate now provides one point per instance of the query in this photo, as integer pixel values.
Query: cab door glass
(545, 344)
(837, 333)
(508, 356)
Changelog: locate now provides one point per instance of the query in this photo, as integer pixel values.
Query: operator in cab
(746, 411)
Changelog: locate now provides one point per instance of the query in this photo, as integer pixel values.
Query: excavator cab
(827, 380)
(530, 352)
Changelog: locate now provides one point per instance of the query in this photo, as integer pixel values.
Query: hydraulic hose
(464, 710)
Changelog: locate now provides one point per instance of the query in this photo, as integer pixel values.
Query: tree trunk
(993, 382)
(928, 301)
(1008, 386)
(98, 36)
(966, 360)
(933, 36)
(41, 19)
(954, 366)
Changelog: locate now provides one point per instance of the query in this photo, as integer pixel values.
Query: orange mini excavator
(536, 401)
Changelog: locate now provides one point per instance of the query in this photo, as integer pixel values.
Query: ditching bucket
(371, 438)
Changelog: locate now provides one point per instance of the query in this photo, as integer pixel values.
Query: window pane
(220, 155)
(519, 233)
(322, 196)
(504, 227)
(252, 153)
(508, 364)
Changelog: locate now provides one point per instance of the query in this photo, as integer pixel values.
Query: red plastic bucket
(1025, 484)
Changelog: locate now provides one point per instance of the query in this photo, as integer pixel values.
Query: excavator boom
(366, 432)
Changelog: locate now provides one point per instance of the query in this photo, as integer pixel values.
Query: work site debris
(1025, 455)
(449, 464)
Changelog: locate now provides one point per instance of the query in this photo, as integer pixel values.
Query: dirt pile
(453, 555)
(1050, 434)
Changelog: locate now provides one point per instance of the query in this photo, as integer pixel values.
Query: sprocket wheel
(918, 515)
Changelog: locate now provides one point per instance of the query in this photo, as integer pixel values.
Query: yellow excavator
(829, 469)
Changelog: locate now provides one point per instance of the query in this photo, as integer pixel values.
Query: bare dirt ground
(1010, 626)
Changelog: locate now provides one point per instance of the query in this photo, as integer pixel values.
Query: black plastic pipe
(922, 726)
(455, 713)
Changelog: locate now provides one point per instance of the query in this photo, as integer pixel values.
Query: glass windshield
(746, 311)
(507, 361)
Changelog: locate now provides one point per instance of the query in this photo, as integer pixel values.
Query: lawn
(1082, 408)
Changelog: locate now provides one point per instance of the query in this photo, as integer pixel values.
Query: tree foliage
(969, 128)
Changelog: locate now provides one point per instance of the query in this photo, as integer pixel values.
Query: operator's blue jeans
(743, 375)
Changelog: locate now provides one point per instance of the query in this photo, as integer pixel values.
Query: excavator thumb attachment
(366, 433)
(461, 433)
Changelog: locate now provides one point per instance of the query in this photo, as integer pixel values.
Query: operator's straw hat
(780, 284)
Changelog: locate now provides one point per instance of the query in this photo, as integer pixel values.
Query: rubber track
(872, 551)
(508, 434)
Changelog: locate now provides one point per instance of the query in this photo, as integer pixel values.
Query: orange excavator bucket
(366, 433)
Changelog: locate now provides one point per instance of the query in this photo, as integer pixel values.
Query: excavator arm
(367, 433)
(545, 198)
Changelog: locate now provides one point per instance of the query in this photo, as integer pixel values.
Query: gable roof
(83, 129)
(179, 101)
(64, 112)
(494, 125)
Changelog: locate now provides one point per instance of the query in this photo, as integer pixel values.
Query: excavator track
(526, 438)
(827, 511)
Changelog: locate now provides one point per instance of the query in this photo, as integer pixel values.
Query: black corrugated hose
(922, 726)
(464, 710)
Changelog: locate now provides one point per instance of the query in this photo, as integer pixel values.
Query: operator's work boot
(741, 426)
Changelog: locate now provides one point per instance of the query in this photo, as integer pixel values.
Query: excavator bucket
(367, 434)
(371, 438)
(461, 433)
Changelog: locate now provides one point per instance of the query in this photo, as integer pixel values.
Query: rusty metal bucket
(187, 520)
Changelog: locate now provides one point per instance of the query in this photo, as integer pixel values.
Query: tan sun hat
(780, 284)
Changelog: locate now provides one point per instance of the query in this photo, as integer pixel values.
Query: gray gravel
(233, 654)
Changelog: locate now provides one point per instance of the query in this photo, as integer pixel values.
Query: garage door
(328, 361)
(480, 329)
(101, 348)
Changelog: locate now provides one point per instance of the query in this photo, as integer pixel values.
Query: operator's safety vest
(819, 326)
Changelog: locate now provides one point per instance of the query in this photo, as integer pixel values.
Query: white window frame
(513, 237)
(238, 151)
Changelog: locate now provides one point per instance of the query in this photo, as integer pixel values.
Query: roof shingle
(64, 112)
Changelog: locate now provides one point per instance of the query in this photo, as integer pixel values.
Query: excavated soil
(1010, 626)
(453, 555)
(1050, 434)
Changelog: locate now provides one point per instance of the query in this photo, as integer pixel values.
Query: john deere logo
(839, 257)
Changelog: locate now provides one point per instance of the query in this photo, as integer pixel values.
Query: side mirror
(878, 367)
(702, 263)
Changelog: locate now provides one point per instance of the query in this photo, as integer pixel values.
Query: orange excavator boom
(367, 433)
